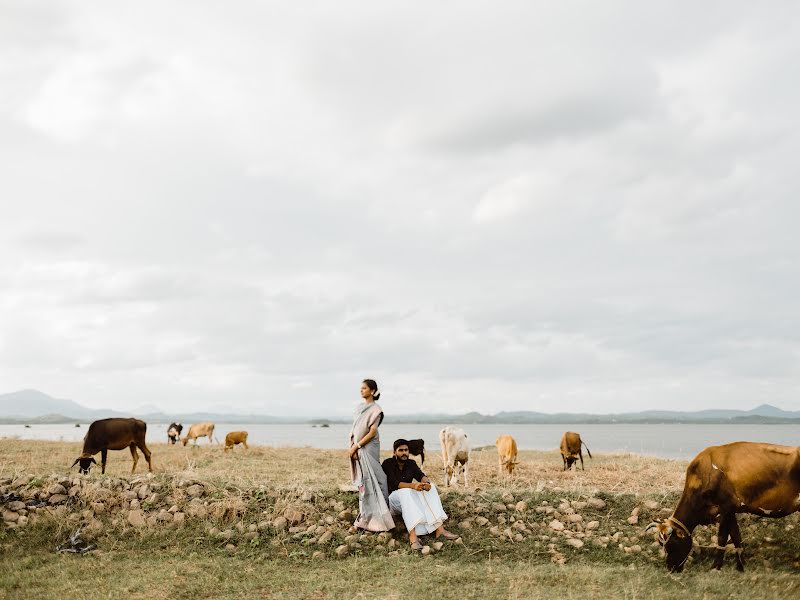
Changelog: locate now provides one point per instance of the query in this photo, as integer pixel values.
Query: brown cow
(742, 477)
(235, 437)
(571, 449)
(113, 434)
(199, 430)
(507, 453)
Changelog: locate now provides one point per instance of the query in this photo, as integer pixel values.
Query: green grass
(189, 562)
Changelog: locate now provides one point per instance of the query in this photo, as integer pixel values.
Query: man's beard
(402, 458)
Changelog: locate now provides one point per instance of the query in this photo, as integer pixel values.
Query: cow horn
(653, 525)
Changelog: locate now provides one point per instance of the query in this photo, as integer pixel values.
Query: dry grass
(325, 469)
(246, 487)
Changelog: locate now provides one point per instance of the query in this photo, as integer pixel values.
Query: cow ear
(75, 463)
(680, 533)
(94, 462)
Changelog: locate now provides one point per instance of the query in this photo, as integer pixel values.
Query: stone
(501, 520)
(521, 506)
(482, 521)
(346, 515)
(280, 523)
(596, 503)
(635, 512)
(325, 538)
(318, 555)
(22, 521)
(579, 504)
(164, 517)
(498, 507)
(636, 549)
(384, 537)
(252, 527)
(143, 492)
(592, 525)
(250, 535)
(575, 543)
(574, 518)
(74, 491)
(293, 516)
(556, 525)
(342, 551)
(195, 491)
(57, 489)
(438, 546)
(136, 518)
(231, 548)
(58, 498)
(633, 519)
(495, 531)
(16, 506)
(10, 516)
(329, 520)
(263, 525)
(98, 507)
(652, 505)
(518, 537)
(426, 550)
(465, 524)
(178, 519)
(197, 510)
(173, 509)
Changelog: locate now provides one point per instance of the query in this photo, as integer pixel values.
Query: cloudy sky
(572, 206)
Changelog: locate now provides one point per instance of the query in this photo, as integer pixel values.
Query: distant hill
(33, 406)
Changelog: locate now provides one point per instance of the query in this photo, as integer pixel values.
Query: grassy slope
(188, 562)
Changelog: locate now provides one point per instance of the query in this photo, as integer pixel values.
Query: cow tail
(587, 448)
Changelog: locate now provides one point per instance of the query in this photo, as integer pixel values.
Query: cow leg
(580, 454)
(134, 455)
(103, 456)
(722, 540)
(736, 538)
(564, 460)
(466, 479)
(245, 446)
(147, 454)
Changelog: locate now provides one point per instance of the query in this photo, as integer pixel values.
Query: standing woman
(365, 465)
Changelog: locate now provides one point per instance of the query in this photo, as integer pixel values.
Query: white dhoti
(421, 511)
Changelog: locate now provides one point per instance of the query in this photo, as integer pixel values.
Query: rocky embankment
(319, 524)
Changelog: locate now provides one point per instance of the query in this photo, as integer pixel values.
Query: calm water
(669, 441)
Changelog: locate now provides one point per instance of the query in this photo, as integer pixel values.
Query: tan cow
(199, 430)
(571, 449)
(742, 477)
(507, 453)
(235, 437)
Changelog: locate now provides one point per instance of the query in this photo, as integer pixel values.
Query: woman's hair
(373, 386)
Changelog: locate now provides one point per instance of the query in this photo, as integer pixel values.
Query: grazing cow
(507, 451)
(235, 437)
(571, 449)
(742, 477)
(199, 430)
(174, 433)
(455, 454)
(417, 448)
(113, 434)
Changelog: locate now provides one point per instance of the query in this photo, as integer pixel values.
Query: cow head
(571, 459)
(184, 440)
(86, 463)
(676, 540)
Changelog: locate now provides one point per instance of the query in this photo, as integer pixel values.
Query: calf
(742, 477)
(507, 453)
(571, 449)
(417, 448)
(113, 434)
(199, 430)
(174, 433)
(235, 437)
(455, 453)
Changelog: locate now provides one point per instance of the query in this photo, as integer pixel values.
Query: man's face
(401, 453)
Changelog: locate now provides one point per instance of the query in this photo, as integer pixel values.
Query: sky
(251, 207)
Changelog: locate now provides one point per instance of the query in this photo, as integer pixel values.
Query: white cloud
(500, 209)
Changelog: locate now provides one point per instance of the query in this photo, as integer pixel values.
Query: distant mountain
(26, 404)
(32, 406)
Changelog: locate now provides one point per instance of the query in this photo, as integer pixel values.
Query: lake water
(668, 441)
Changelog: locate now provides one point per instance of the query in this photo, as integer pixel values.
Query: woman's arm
(373, 431)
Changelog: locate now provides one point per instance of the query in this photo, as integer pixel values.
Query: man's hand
(353, 452)
(421, 487)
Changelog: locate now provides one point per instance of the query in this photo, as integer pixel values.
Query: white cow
(455, 453)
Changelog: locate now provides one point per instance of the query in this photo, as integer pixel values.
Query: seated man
(419, 502)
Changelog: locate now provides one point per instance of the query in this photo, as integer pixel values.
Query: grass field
(230, 546)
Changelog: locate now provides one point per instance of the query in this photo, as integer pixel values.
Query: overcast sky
(555, 206)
